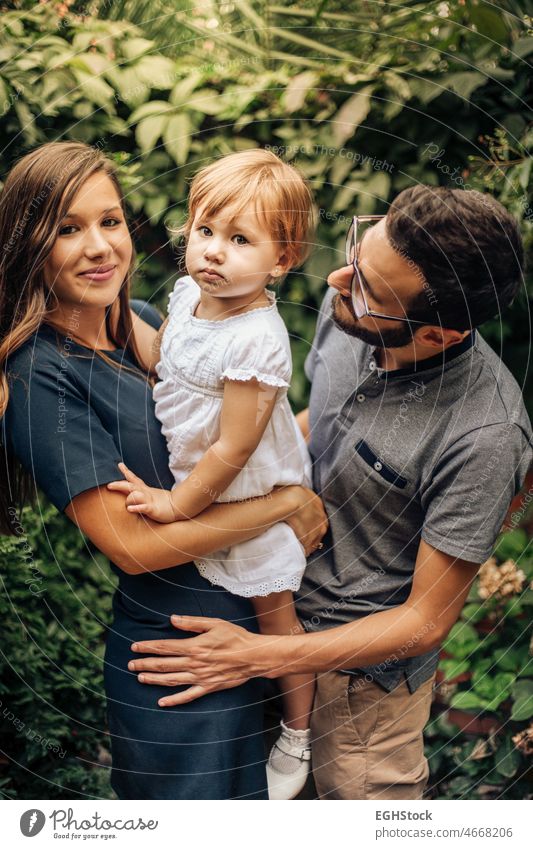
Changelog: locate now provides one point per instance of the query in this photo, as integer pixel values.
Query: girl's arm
(136, 544)
(303, 423)
(246, 410)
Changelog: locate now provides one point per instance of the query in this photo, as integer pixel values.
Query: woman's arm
(148, 341)
(136, 544)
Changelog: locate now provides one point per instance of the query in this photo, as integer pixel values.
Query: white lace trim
(276, 585)
(250, 374)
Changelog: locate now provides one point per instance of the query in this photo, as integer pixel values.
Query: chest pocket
(383, 469)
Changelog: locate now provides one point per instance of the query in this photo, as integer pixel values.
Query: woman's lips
(99, 276)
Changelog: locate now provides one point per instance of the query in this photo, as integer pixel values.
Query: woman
(76, 401)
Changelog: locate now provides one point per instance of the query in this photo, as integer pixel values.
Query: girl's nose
(214, 251)
(341, 279)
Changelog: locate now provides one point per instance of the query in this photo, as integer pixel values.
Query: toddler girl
(225, 366)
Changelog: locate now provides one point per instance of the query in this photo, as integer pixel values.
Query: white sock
(288, 759)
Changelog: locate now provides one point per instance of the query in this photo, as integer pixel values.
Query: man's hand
(223, 656)
(141, 498)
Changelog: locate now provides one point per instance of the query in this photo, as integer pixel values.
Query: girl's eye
(205, 231)
(240, 239)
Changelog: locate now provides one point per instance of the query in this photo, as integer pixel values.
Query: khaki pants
(367, 743)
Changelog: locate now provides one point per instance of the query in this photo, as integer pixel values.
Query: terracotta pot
(464, 676)
(475, 724)
(517, 504)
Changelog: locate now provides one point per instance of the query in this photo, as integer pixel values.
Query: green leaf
(351, 114)
(95, 89)
(293, 97)
(177, 137)
(453, 668)
(149, 130)
(507, 759)
(129, 88)
(157, 71)
(27, 122)
(523, 47)
(464, 83)
(523, 699)
(154, 107)
(155, 207)
(207, 100)
(490, 22)
(134, 47)
(467, 700)
(493, 688)
(182, 91)
(461, 641)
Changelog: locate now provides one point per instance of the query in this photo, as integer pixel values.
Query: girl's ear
(281, 267)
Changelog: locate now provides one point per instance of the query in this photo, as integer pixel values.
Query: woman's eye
(240, 239)
(64, 231)
(111, 222)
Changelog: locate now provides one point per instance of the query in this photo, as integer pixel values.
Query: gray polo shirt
(435, 452)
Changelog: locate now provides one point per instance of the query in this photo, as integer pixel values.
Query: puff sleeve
(263, 355)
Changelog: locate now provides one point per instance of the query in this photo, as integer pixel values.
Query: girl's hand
(141, 498)
(308, 518)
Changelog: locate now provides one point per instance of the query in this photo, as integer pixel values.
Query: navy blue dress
(71, 418)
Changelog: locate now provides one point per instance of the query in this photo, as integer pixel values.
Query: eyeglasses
(357, 288)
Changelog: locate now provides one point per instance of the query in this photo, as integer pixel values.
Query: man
(419, 440)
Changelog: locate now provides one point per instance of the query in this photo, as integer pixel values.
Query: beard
(396, 337)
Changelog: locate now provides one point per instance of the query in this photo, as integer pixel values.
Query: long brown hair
(37, 193)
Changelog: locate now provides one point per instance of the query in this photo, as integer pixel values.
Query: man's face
(390, 284)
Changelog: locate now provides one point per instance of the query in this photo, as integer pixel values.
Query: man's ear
(439, 337)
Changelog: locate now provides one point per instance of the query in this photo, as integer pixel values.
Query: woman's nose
(341, 279)
(96, 243)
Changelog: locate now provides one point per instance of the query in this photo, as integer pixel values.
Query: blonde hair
(258, 178)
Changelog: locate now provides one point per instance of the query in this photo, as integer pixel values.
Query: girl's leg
(289, 761)
(276, 615)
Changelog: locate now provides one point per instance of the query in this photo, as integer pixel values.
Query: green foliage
(487, 670)
(366, 99)
(54, 607)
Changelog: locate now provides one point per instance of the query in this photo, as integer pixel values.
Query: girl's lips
(212, 275)
(99, 276)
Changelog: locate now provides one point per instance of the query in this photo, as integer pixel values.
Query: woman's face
(93, 248)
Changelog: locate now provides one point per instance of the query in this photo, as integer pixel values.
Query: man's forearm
(388, 635)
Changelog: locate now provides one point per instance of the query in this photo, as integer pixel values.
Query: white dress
(197, 356)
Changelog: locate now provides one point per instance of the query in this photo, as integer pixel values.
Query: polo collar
(437, 361)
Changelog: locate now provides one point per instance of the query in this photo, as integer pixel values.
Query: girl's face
(231, 257)
(93, 248)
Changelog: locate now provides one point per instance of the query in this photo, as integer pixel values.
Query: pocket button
(360, 397)
(378, 466)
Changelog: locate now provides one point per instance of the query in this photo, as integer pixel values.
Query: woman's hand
(308, 518)
(141, 498)
(223, 656)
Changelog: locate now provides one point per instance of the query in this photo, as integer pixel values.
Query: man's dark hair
(468, 248)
